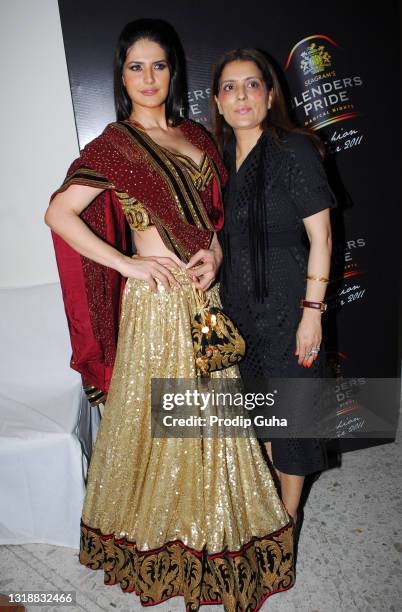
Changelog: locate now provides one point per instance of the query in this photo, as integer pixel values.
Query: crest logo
(322, 95)
(315, 59)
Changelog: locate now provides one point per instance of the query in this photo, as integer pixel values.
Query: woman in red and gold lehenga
(200, 518)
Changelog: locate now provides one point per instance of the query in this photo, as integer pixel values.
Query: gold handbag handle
(201, 301)
(200, 297)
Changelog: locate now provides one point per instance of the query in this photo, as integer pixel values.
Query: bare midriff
(148, 243)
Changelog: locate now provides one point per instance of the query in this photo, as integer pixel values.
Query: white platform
(41, 476)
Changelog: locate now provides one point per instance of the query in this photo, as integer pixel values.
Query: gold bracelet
(318, 278)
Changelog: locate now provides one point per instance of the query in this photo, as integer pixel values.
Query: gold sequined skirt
(200, 518)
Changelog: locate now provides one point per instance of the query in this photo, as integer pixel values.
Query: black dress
(295, 187)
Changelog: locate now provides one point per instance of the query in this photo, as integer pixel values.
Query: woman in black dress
(277, 189)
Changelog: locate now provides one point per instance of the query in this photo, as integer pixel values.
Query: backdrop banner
(341, 67)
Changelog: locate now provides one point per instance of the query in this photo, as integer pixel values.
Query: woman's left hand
(308, 337)
(202, 268)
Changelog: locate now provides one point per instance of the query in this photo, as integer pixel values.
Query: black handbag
(217, 342)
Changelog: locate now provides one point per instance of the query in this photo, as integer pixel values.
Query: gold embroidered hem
(240, 580)
(198, 517)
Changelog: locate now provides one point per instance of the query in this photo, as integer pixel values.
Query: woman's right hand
(63, 217)
(150, 269)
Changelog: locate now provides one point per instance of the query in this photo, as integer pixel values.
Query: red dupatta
(123, 159)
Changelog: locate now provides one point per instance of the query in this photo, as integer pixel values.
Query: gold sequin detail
(210, 494)
(201, 173)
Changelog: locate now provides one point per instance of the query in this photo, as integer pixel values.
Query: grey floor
(349, 555)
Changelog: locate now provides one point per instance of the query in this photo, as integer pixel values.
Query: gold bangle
(318, 278)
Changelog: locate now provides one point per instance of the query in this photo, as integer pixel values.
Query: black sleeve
(309, 186)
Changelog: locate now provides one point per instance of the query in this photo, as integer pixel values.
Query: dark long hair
(162, 33)
(276, 120)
